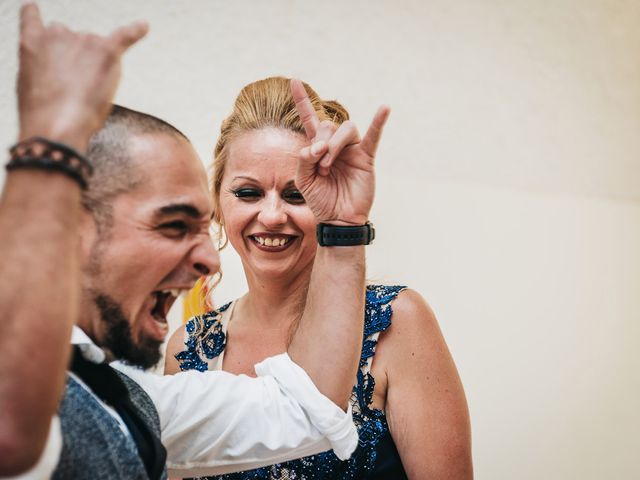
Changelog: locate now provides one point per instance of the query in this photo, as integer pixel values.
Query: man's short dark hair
(114, 171)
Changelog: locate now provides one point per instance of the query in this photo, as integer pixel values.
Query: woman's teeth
(272, 241)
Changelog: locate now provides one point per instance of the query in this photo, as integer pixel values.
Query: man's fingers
(308, 115)
(347, 134)
(58, 28)
(370, 141)
(126, 36)
(30, 20)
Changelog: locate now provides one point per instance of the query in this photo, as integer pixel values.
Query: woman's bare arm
(426, 406)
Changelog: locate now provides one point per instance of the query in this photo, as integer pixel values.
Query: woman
(408, 401)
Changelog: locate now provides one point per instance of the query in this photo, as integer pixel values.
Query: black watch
(344, 236)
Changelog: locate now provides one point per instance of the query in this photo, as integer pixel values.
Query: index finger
(124, 37)
(371, 139)
(30, 20)
(307, 113)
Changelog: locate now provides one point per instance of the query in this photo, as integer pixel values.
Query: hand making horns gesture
(67, 80)
(336, 172)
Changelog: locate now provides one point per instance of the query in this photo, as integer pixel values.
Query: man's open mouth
(164, 300)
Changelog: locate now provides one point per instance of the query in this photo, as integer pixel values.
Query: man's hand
(67, 80)
(336, 172)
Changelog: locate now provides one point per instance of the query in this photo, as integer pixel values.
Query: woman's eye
(293, 196)
(175, 229)
(248, 193)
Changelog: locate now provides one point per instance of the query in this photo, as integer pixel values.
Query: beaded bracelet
(38, 152)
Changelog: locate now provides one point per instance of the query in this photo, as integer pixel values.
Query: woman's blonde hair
(261, 104)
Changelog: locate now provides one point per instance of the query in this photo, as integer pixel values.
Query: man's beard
(118, 339)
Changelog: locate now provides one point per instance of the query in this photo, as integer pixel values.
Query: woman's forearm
(328, 339)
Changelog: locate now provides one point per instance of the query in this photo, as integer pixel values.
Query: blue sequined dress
(375, 457)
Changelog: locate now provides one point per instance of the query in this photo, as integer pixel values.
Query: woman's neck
(275, 302)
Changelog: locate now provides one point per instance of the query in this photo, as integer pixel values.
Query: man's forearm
(38, 298)
(328, 340)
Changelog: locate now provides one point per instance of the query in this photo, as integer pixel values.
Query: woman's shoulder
(398, 301)
(408, 311)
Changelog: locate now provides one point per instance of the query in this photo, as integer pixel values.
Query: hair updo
(265, 103)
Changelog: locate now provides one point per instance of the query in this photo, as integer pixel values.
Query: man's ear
(88, 234)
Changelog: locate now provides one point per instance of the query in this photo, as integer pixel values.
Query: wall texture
(508, 193)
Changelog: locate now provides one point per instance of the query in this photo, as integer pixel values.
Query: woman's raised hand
(336, 171)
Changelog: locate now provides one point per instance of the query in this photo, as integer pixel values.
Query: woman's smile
(269, 242)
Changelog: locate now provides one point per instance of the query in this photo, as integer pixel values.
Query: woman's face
(264, 214)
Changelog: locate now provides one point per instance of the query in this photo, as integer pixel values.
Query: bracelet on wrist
(44, 154)
(344, 236)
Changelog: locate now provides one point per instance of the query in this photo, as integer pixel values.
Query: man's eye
(248, 193)
(293, 196)
(175, 229)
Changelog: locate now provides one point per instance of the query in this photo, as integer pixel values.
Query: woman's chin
(270, 271)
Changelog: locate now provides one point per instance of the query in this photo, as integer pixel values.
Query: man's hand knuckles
(56, 29)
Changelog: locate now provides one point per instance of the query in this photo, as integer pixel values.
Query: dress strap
(224, 319)
(377, 318)
(204, 340)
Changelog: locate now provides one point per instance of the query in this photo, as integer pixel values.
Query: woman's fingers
(347, 134)
(371, 139)
(307, 113)
(309, 158)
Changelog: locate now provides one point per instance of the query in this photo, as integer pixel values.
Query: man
(105, 275)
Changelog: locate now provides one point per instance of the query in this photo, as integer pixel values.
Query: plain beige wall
(508, 192)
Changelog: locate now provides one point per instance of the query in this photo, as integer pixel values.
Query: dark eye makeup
(291, 195)
(246, 192)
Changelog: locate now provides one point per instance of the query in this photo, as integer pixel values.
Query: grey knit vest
(94, 447)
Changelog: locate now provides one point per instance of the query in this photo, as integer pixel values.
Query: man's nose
(205, 259)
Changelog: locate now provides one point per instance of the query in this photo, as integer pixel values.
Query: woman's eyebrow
(244, 177)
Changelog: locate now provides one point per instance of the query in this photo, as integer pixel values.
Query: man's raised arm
(65, 85)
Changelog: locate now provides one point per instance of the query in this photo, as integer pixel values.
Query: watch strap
(329, 235)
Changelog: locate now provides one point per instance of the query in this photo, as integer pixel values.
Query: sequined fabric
(206, 340)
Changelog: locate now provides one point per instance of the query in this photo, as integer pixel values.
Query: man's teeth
(272, 241)
(162, 324)
(175, 292)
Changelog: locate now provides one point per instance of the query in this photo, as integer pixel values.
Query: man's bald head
(114, 169)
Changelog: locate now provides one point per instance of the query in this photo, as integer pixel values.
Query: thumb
(308, 159)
